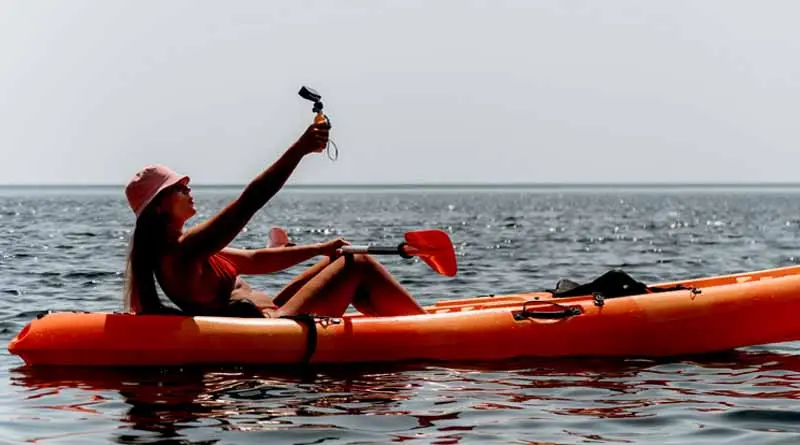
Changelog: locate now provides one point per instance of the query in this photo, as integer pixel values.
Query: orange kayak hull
(714, 314)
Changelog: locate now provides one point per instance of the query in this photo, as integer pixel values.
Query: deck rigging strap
(310, 321)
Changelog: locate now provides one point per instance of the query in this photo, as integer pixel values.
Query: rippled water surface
(63, 249)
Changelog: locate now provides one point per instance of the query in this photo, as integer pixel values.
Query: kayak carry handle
(561, 312)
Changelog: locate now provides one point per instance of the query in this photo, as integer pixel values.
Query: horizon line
(442, 185)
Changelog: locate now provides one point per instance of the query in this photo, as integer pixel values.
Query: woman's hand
(315, 138)
(333, 248)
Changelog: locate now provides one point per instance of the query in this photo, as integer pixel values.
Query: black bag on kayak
(614, 283)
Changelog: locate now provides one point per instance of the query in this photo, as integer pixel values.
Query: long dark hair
(148, 243)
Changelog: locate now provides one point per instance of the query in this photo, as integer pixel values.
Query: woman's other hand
(333, 248)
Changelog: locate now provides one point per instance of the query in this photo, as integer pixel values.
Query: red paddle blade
(435, 248)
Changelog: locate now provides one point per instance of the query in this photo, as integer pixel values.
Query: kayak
(684, 317)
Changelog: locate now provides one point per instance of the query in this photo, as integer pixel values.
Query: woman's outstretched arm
(217, 232)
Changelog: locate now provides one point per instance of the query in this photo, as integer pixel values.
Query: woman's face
(177, 201)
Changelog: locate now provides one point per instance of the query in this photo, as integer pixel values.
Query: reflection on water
(514, 401)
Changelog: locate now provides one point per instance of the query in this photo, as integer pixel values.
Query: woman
(200, 274)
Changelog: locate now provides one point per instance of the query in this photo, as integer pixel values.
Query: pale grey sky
(419, 91)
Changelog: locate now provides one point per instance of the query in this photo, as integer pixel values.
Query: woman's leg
(357, 279)
(299, 281)
(381, 293)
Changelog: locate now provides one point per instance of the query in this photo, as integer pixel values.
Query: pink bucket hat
(148, 183)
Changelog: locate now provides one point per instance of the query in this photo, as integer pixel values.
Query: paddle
(432, 246)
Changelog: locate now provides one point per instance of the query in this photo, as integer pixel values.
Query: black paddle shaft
(379, 250)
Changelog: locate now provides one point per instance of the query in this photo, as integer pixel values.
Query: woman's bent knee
(359, 259)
